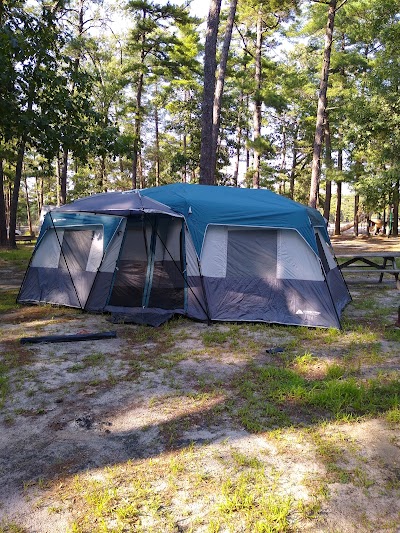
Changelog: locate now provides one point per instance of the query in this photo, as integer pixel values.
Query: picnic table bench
(382, 262)
(24, 238)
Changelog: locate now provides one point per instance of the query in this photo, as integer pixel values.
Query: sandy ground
(76, 408)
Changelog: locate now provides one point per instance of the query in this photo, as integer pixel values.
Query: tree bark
(137, 127)
(247, 134)
(63, 177)
(282, 184)
(28, 207)
(39, 194)
(329, 165)
(322, 101)
(257, 103)
(65, 150)
(219, 87)
(101, 185)
(395, 229)
(142, 183)
(356, 214)
(292, 177)
(15, 192)
(3, 220)
(157, 131)
(339, 194)
(239, 135)
(207, 175)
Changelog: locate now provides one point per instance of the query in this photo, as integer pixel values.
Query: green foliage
(99, 96)
(269, 395)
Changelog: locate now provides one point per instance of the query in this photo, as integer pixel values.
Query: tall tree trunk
(395, 230)
(186, 173)
(257, 103)
(58, 180)
(219, 87)
(101, 184)
(28, 206)
(322, 100)
(142, 183)
(185, 167)
(237, 156)
(356, 214)
(65, 149)
(15, 192)
(339, 193)
(63, 177)
(3, 220)
(239, 133)
(39, 193)
(329, 165)
(282, 188)
(157, 131)
(207, 176)
(292, 177)
(247, 135)
(338, 207)
(137, 127)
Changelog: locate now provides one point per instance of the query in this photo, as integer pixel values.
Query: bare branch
(341, 5)
(244, 41)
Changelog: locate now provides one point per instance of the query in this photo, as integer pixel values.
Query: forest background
(284, 94)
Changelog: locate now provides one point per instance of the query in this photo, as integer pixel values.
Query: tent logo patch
(306, 312)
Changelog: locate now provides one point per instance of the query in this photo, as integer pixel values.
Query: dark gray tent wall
(269, 275)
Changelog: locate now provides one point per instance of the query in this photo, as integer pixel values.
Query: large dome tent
(209, 253)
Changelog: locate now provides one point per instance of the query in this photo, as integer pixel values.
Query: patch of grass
(11, 527)
(349, 397)
(147, 495)
(77, 367)
(270, 397)
(251, 499)
(232, 337)
(303, 363)
(8, 300)
(19, 257)
(95, 359)
(361, 478)
(335, 371)
(215, 336)
(393, 415)
(246, 461)
(392, 334)
(364, 303)
(331, 453)
(4, 384)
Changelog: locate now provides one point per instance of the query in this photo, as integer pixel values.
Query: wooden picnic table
(24, 238)
(382, 262)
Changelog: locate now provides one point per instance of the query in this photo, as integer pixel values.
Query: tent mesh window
(75, 250)
(150, 266)
(130, 277)
(168, 281)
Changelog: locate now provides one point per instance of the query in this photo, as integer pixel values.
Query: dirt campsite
(191, 427)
